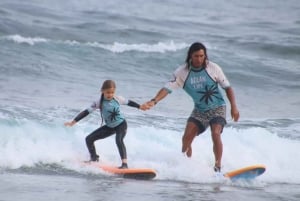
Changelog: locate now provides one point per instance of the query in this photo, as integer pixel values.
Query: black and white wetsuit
(115, 123)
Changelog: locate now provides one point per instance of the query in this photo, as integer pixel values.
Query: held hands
(147, 105)
(144, 107)
(151, 103)
(70, 123)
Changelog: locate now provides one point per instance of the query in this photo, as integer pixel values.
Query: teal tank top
(111, 113)
(203, 90)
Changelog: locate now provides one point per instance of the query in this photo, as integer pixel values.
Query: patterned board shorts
(204, 119)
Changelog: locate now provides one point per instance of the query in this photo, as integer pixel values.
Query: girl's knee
(119, 141)
(88, 140)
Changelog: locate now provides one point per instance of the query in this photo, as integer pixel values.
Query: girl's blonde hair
(107, 84)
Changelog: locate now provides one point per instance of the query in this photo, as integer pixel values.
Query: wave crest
(116, 47)
(160, 47)
(27, 40)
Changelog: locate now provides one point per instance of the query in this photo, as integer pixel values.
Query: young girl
(109, 106)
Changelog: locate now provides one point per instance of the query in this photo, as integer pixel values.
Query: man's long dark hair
(194, 48)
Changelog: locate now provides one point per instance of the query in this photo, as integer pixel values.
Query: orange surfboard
(131, 173)
(249, 172)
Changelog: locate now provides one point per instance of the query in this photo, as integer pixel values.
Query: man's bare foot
(189, 152)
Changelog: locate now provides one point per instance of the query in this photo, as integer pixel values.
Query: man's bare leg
(216, 130)
(190, 133)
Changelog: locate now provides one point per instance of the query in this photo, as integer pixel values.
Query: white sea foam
(29, 143)
(160, 47)
(27, 40)
(115, 47)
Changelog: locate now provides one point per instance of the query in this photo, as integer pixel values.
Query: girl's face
(198, 58)
(109, 93)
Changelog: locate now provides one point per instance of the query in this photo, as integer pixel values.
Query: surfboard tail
(249, 172)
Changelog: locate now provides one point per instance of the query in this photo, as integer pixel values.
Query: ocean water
(54, 56)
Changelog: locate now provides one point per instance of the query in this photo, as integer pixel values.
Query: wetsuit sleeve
(222, 79)
(81, 115)
(133, 104)
(84, 113)
(121, 100)
(179, 77)
(217, 74)
(124, 101)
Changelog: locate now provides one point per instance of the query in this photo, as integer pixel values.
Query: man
(200, 77)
